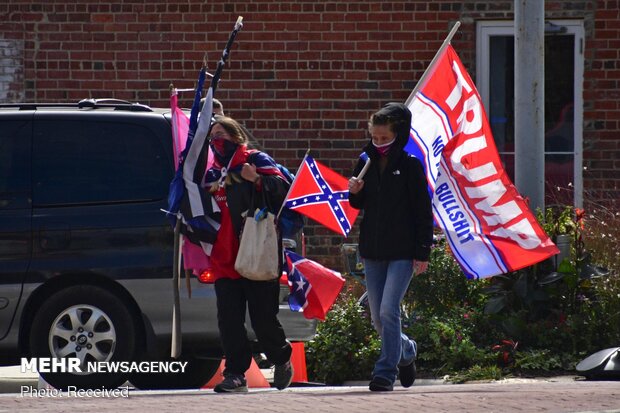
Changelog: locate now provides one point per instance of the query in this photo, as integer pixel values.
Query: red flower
(580, 213)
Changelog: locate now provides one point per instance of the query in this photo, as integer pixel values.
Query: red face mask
(223, 149)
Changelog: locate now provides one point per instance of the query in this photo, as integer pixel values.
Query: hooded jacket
(398, 219)
(235, 199)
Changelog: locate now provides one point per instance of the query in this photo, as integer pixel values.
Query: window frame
(486, 29)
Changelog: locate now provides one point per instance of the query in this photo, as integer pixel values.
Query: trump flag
(487, 223)
(323, 195)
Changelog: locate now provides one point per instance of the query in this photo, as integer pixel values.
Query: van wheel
(88, 323)
(197, 373)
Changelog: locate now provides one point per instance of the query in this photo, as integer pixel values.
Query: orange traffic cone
(298, 360)
(253, 376)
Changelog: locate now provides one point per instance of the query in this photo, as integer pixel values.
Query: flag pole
(175, 350)
(426, 73)
(220, 65)
(364, 169)
(292, 183)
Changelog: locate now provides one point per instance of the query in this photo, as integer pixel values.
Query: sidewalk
(11, 379)
(555, 395)
(531, 395)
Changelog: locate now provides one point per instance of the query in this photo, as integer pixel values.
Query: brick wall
(11, 70)
(301, 74)
(601, 139)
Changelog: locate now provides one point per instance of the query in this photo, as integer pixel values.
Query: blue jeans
(387, 283)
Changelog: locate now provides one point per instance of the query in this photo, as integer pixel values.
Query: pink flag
(180, 126)
(194, 257)
(488, 224)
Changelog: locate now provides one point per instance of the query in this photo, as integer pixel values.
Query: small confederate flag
(322, 194)
(314, 288)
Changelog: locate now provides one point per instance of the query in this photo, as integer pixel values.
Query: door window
(563, 102)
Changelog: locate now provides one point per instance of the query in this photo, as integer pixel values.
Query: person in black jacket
(395, 236)
(236, 173)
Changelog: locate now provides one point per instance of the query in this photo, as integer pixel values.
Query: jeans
(387, 283)
(261, 298)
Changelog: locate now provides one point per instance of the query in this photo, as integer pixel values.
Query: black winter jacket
(398, 219)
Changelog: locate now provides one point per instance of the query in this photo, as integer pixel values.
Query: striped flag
(199, 213)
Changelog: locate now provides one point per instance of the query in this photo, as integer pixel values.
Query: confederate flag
(323, 195)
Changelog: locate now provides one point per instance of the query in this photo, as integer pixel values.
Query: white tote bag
(257, 258)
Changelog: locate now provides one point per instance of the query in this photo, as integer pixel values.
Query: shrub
(445, 344)
(345, 346)
(476, 373)
(533, 320)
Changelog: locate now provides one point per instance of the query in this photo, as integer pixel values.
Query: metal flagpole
(445, 44)
(175, 350)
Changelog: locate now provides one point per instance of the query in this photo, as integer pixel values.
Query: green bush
(345, 346)
(445, 344)
(443, 314)
(532, 321)
(476, 373)
(539, 360)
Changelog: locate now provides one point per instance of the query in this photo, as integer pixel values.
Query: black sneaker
(407, 374)
(283, 375)
(380, 384)
(232, 384)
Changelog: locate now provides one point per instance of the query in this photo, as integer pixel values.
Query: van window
(15, 164)
(78, 162)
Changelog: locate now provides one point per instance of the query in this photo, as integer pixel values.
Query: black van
(86, 252)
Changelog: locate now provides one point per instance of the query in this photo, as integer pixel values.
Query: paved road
(548, 395)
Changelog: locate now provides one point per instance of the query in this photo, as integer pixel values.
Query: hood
(398, 111)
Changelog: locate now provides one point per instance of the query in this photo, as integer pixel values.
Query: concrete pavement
(533, 396)
(560, 394)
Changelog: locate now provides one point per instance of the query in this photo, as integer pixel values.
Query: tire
(87, 322)
(197, 373)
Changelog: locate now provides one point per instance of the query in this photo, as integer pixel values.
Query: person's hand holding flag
(355, 185)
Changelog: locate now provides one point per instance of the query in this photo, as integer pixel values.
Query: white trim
(486, 29)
